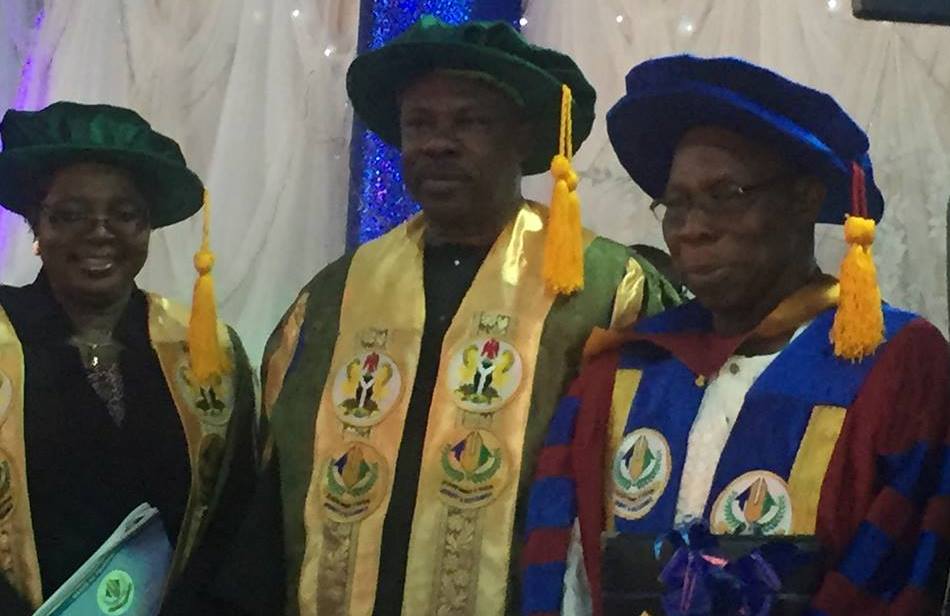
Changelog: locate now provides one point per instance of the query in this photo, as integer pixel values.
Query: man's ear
(808, 193)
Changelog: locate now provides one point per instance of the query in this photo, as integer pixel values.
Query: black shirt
(448, 272)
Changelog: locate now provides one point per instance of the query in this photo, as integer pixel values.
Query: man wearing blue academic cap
(779, 444)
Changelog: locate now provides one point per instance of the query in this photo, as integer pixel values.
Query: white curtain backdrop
(894, 79)
(17, 37)
(253, 90)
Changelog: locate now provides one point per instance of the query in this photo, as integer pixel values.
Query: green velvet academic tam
(38, 142)
(533, 75)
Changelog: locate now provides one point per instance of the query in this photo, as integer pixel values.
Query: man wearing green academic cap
(410, 384)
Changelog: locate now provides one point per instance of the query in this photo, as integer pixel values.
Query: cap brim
(645, 128)
(376, 79)
(176, 192)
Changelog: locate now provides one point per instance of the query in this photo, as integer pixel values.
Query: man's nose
(440, 143)
(696, 226)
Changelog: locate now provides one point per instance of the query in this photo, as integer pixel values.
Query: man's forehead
(740, 148)
(461, 85)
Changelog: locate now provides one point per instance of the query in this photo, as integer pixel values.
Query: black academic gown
(85, 473)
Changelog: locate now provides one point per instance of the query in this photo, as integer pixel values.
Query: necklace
(93, 353)
(100, 357)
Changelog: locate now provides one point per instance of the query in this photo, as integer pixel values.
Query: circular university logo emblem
(474, 470)
(756, 503)
(641, 470)
(355, 481)
(366, 388)
(116, 593)
(484, 374)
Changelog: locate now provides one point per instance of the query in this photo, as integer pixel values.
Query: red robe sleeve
(568, 486)
(884, 510)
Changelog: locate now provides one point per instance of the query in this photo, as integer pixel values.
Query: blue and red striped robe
(884, 506)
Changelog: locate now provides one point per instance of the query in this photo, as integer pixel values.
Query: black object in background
(914, 11)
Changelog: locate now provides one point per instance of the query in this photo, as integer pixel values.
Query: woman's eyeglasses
(123, 221)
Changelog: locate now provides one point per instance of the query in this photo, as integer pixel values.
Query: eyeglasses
(721, 202)
(124, 221)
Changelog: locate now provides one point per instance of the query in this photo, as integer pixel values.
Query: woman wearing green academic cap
(109, 396)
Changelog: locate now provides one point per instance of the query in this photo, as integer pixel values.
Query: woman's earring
(36, 247)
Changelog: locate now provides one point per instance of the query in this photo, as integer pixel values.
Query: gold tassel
(207, 357)
(563, 246)
(858, 328)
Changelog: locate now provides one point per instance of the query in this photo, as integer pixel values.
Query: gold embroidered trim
(335, 561)
(457, 570)
(18, 558)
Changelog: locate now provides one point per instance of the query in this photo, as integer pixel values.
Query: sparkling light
(619, 19)
(295, 13)
(833, 5)
(329, 51)
(686, 27)
(523, 21)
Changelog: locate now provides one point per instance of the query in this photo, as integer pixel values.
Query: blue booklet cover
(126, 576)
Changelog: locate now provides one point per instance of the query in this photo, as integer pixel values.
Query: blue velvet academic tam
(668, 96)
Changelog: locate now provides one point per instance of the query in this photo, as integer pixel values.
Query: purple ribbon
(699, 580)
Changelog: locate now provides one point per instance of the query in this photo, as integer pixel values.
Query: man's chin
(720, 298)
(448, 211)
(446, 188)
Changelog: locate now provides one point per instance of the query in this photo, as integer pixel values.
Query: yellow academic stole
(204, 413)
(463, 523)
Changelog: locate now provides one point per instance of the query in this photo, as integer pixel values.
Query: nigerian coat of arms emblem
(484, 374)
(366, 388)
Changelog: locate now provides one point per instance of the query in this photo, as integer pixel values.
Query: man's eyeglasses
(123, 221)
(722, 201)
